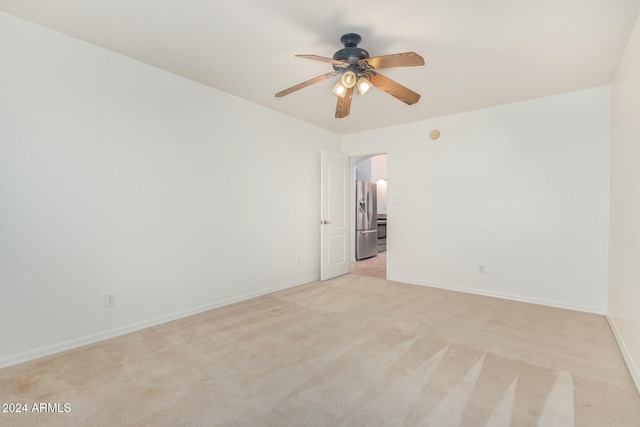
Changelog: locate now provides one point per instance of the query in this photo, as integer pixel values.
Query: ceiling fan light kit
(349, 79)
(340, 89)
(364, 85)
(358, 69)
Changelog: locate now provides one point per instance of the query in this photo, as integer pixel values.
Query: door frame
(352, 203)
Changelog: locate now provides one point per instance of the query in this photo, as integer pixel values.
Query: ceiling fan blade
(305, 84)
(394, 89)
(405, 59)
(344, 104)
(323, 59)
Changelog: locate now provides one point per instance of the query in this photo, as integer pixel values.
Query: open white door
(334, 221)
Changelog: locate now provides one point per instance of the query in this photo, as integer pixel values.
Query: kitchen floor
(374, 267)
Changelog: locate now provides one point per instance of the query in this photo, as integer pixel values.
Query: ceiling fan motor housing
(351, 52)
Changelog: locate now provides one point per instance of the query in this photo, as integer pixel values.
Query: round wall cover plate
(434, 134)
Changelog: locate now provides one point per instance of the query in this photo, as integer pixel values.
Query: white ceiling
(477, 53)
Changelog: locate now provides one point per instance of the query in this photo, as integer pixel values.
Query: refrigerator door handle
(370, 204)
(368, 231)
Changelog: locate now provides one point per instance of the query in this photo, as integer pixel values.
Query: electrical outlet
(481, 269)
(109, 300)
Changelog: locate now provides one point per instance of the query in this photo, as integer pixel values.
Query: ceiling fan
(359, 70)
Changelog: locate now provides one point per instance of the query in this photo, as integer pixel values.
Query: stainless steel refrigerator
(366, 220)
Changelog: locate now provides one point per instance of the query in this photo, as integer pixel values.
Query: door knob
(325, 222)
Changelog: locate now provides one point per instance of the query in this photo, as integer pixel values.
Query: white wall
(521, 189)
(363, 168)
(378, 167)
(623, 310)
(116, 177)
(379, 176)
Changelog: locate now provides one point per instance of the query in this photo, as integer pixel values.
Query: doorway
(369, 168)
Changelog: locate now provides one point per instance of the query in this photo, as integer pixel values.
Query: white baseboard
(548, 303)
(626, 355)
(112, 333)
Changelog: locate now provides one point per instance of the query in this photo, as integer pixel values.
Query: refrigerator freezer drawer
(366, 244)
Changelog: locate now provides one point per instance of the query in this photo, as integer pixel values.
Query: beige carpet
(356, 351)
